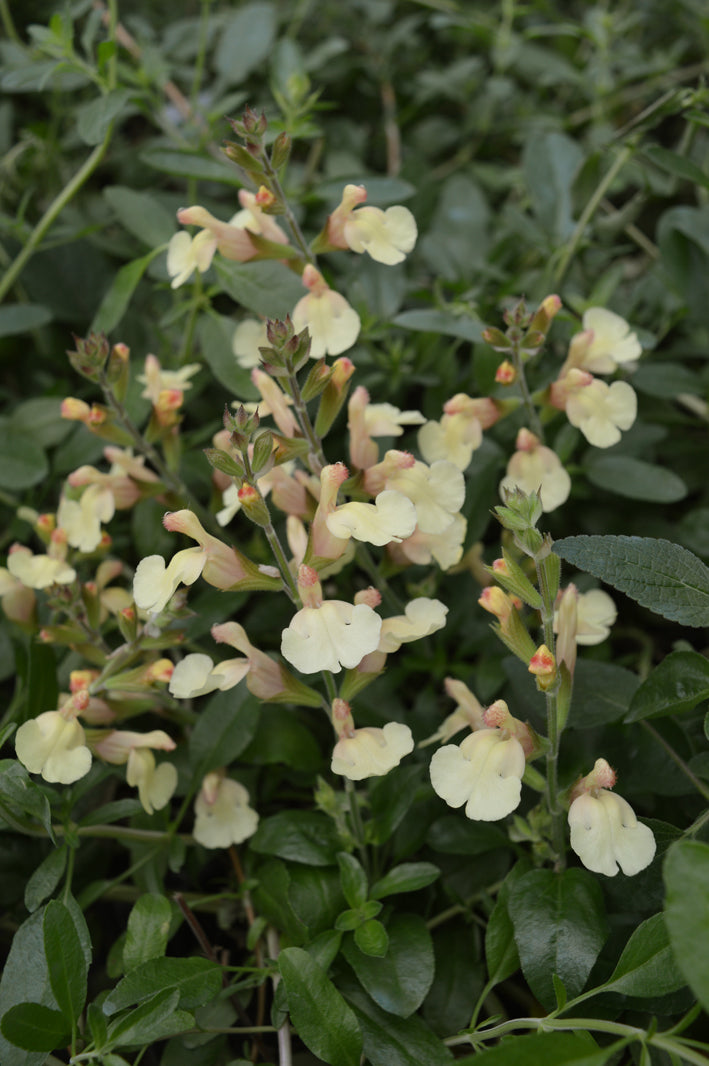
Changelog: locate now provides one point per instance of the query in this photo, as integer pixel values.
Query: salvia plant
(357, 713)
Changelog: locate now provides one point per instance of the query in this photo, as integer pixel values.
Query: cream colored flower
(536, 468)
(333, 325)
(605, 834)
(249, 336)
(222, 813)
(611, 343)
(54, 746)
(454, 439)
(155, 584)
(437, 492)
(185, 254)
(391, 518)
(38, 571)
(484, 772)
(331, 636)
(155, 784)
(601, 411)
(387, 236)
(445, 548)
(196, 675)
(422, 617)
(81, 519)
(371, 752)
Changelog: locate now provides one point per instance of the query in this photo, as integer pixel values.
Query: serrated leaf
(635, 479)
(33, 1027)
(560, 927)
(21, 318)
(408, 877)
(399, 981)
(223, 730)
(686, 873)
(197, 980)
(322, 1019)
(148, 929)
(647, 966)
(677, 684)
(66, 962)
(45, 878)
(657, 574)
(141, 214)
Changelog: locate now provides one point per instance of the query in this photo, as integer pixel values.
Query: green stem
(534, 420)
(304, 420)
(277, 188)
(7, 23)
(553, 730)
(55, 208)
(589, 210)
(357, 824)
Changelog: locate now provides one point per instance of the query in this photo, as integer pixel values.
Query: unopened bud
(543, 666)
(253, 505)
(505, 373)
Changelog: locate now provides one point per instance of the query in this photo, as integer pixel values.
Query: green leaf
(550, 163)
(441, 322)
(18, 793)
(197, 980)
(602, 693)
(460, 836)
(223, 730)
(390, 798)
(677, 165)
(408, 877)
(686, 873)
(246, 41)
(66, 962)
(25, 978)
(268, 288)
(635, 479)
(141, 214)
(45, 878)
(500, 947)
(94, 117)
(22, 459)
(657, 574)
(399, 981)
(322, 1019)
(666, 379)
(155, 1019)
(647, 966)
(215, 334)
(42, 417)
(677, 684)
(35, 1028)
(112, 812)
(315, 896)
(392, 1041)
(21, 318)
(459, 978)
(560, 927)
(372, 938)
(551, 1049)
(148, 930)
(353, 879)
(303, 836)
(456, 242)
(191, 165)
(115, 301)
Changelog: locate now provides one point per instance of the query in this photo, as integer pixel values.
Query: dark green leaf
(20, 795)
(602, 693)
(191, 165)
(94, 117)
(322, 1019)
(392, 1041)
(500, 946)
(25, 978)
(22, 459)
(372, 938)
(115, 302)
(460, 836)
(141, 214)
(550, 163)
(155, 1019)
(21, 318)
(268, 288)
(45, 878)
(408, 877)
(686, 873)
(647, 966)
(560, 927)
(677, 684)
(41, 416)
(315, 896)
(399, 981)
(112, 812)
(353, 879)
(302, 836)
(223, 730)
(215, 334)
(246, 41)
(459, 978)
(390, 798)
(35, 1028)
(635, 479)
(197, 980)
(66, 963)
(457, 240)
(552, 1049)
(667, 379)
(657, 574)
(677, 165)
(148, 929)
(441, 322)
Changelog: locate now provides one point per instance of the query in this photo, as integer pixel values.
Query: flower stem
(553, 730)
